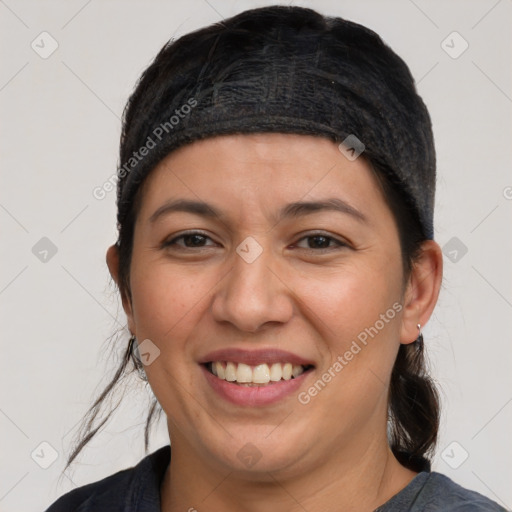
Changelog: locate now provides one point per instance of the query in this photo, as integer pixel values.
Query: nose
(253, 294)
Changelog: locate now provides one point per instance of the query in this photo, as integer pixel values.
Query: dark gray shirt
(137, 489)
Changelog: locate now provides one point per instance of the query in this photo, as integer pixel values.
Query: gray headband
(332, 85)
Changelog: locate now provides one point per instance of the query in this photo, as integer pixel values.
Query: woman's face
(267, 254)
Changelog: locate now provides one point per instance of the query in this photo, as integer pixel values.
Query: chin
(253, 453)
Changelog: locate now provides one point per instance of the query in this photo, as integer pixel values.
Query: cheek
(166, 300)
(167, 308)
(351, 298)
(358, 316)
(357, 312)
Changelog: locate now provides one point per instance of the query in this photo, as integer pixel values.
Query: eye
(322, 242)
(317, 242)
(191, 240)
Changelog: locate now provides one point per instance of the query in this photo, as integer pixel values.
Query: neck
(358, 478)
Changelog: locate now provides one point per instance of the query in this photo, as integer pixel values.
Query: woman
(276, 264)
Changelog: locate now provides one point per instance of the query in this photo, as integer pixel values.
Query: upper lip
(254, 357)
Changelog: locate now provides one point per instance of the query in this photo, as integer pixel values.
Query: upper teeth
(260, 374)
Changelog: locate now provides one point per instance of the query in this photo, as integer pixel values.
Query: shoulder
(123, 491)
(449, 496)
(435, 492)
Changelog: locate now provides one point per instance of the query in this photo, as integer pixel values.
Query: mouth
(260, 375)
(255, 378)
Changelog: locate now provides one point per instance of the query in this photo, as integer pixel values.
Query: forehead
(260, 171)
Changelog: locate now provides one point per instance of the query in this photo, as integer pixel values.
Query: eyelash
(340, 244)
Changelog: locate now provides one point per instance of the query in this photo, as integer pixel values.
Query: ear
(422, 290)
(113, 267)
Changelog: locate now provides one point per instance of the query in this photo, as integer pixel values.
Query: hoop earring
(419, 339)
(135, 356)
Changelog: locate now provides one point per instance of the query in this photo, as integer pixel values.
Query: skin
(200, 295)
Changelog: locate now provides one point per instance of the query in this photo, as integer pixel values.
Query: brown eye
(191, 240)
(321, 242)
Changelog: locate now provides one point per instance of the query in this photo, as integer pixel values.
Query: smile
(257, 375)
(255, 378)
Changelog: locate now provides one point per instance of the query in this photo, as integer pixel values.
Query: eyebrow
(291, 210)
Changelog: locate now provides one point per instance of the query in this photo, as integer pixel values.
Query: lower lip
(254, 396)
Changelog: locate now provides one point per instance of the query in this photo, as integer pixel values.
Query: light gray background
(59, 137)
